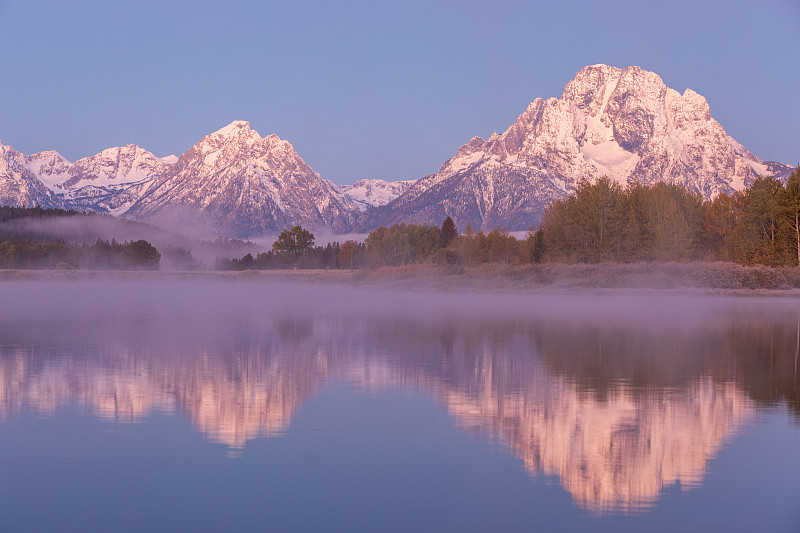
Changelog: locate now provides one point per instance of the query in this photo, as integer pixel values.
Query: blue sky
(373, 89)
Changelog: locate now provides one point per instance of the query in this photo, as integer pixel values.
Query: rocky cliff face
(622, 123)
(233, 182)
(19, 186)
(238, 183)
(368, 193)
(108, 182)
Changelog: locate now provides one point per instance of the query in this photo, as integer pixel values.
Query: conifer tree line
(23, 248)
(101, 255)
(601, 221)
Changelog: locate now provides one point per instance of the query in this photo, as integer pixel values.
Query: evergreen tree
(448, 232)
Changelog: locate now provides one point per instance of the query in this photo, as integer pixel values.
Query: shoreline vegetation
(711, 278)
(604, 236)
(601, 222)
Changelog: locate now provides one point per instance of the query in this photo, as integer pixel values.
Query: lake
(241, 406)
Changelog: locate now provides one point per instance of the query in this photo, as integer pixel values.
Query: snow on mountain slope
(237, 183)
(107, 182)
(19, 186)
(368, 193)
(622, 123)
(233, 182)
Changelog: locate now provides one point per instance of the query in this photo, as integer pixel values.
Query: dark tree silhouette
(448, 232)
(142, 255)
(293, 244)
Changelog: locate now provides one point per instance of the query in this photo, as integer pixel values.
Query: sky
(373, 89)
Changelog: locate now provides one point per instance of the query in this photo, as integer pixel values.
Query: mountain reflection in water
(617, 405)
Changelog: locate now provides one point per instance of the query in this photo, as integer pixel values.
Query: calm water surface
(154, 406)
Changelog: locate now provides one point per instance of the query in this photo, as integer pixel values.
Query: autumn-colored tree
(472, 247)
(792, 209)
(502, 246)
(761, 224)
(721, 227)
(350, 254)
(587, 226)
(675, 217)
(637, 234)
(402, 244)
(554, 236)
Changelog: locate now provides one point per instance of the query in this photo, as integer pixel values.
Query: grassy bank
(653, 276)
(658, 276)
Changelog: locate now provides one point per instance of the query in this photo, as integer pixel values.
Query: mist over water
(79, 229)
(600, 411)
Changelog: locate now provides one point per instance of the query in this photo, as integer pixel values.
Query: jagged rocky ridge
(622, 123)
(19, 186)
(108, 182)
(233, 182)
(367, 193)
(239, 183)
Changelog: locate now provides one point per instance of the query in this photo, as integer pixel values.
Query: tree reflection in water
(618, 406)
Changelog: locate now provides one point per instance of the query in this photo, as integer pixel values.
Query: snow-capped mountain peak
(236, 131)
(622, 123)
(241, 184)
(111, 167)
(19, 185)
(366, 193)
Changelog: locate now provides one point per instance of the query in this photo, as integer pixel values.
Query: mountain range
(622, 123)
